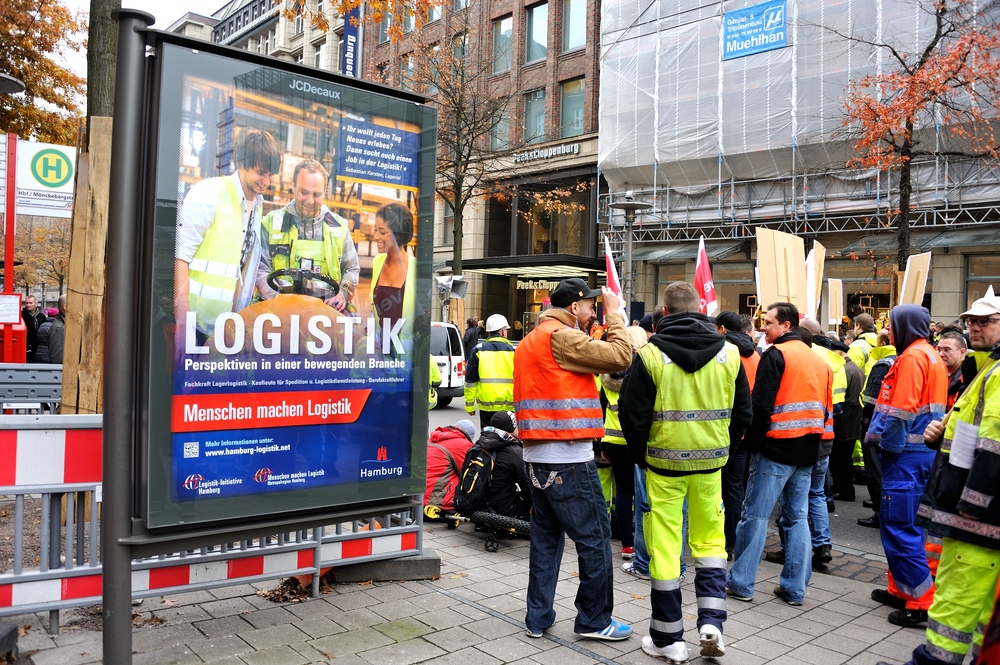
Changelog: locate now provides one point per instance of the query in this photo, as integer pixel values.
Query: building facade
(724, 123)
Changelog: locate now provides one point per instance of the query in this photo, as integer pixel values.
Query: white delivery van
(448, 352)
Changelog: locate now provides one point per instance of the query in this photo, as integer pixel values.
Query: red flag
(703, 281)
(613, 282)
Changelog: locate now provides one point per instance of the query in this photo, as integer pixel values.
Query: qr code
(190, 449)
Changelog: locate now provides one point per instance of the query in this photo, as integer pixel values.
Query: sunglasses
(979, 321)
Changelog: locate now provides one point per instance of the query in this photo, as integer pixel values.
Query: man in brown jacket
(559, 416)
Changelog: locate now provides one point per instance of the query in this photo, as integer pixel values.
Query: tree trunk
(102, 49)
(903, 218)
(459, 210)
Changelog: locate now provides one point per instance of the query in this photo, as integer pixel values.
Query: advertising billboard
(290, 288)
(755, 29)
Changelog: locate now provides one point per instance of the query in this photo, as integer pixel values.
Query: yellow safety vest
(691, 432)
(215, 269)
(325, 253)
(495, 389)
(612, 423)
(836, 363)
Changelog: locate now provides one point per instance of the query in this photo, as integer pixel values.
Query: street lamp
(10, 85)
(631, 208)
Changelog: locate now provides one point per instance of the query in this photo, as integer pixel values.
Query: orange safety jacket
(553, 404)
(750, 367)
(804, 403)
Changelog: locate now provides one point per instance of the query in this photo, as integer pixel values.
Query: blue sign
(349, 56)
(754, 29)
(376, 154)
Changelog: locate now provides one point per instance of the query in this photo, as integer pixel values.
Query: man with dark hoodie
(508, 492)
(730, 325)
(792, 415)
(685, 400)
(914, 393)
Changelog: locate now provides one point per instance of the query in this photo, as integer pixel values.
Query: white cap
(496, 322)
(982, 307)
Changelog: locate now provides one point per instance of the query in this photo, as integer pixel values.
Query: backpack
(470, 495)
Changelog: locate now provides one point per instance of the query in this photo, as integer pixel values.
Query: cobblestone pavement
(473, 614)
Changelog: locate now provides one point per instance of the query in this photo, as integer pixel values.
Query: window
(433, 66)
(982, 271)
(383, 29)
(339, 56)
(321, 7)
(319, 59)
(406, 71)
(433, 13)
(538, 33)
(300, 24)
(574, 27)
(449, 225)
(502, 30)
(534, 116)
(381, 73)
(460, 46)
(571, 109)
(299, 58)
(409, 21)
(500, 132)
(459, 5)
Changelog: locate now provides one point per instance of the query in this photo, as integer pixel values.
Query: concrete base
(425, 566)
(8, 639)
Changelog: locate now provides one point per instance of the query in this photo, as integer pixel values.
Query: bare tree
(950, 80)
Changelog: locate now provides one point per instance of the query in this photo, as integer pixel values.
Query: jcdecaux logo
(51, 168)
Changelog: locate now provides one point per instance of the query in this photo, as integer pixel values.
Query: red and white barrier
(49, 457)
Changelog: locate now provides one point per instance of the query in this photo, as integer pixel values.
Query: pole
(119, 341)
(629, 293)
(10, 210)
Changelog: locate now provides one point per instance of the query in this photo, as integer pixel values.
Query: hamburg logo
(382, 455)
(383, 466)
(192, 481)
(262, 475)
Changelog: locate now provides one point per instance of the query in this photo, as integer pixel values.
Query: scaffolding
(721, 146)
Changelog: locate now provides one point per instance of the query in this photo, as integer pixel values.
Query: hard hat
(496, 322)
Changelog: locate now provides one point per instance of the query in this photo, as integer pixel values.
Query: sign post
(10, 210)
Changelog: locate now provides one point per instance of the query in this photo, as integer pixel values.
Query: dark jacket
(742, 341)
(848, 426)
(57, 339)
(508, 492)
(470, 339)
(42, 350)
(800, 451)
(690, 341)
(31, 323)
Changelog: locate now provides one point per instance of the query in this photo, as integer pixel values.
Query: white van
(448, 352)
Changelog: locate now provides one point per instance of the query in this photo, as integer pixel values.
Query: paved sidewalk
(473, 614)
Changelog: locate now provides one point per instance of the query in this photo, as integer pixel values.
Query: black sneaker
(776, 557)
(886, 598)
(908, 618)
(867, 503)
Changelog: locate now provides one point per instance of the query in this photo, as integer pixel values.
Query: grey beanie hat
(468, 428)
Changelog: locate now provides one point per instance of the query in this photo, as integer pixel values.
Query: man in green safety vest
(305, 234)
(218, 245)
(489, 378)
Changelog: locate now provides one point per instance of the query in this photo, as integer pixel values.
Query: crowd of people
(703, 425)
(45, 331)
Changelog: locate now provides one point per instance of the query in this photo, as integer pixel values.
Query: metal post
(10, 213)
(119, 344)
(629, 292)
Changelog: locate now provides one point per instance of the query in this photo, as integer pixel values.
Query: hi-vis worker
(861, 348)
(913, 394)
(559, 416)
(960, 501)
(489, 378)
(685, 400)
(218, 246)
(306, 234)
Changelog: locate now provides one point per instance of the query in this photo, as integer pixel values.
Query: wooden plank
(83, 362)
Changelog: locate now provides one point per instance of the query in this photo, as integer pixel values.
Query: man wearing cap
(508, 491)
(959, 503)
(489, 378)
(559, 416)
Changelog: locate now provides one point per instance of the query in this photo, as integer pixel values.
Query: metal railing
(68, 569)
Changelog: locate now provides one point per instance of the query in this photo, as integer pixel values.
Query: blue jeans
(770, 481)
(568, 501)
(819, 515)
